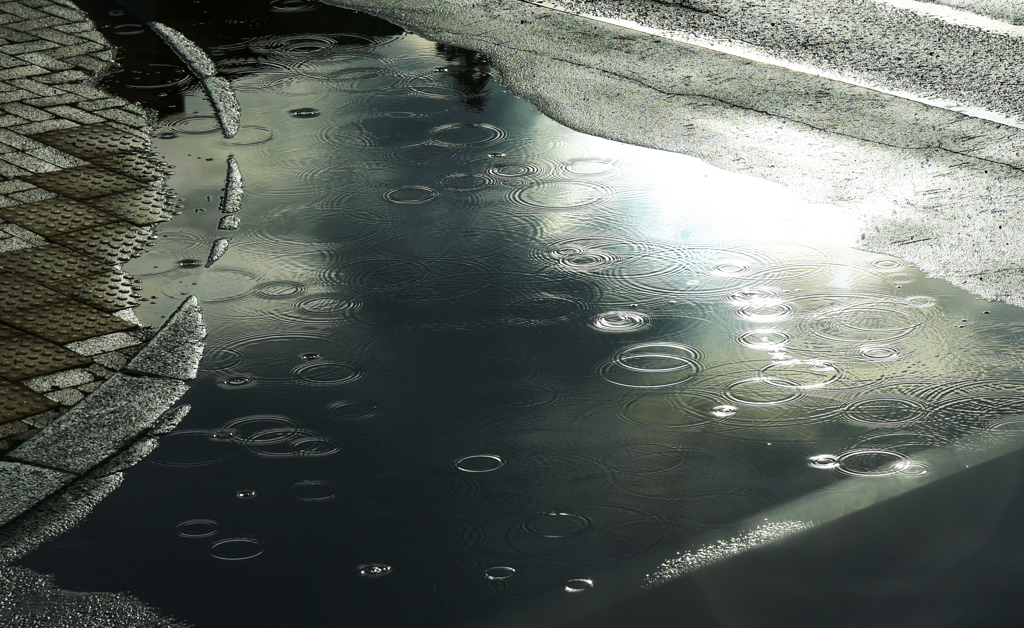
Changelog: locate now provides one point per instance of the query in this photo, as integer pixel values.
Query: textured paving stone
(106, 344)
(136, 165)
(18, 402)
(66, 321)
(94, 140)
(18, 293)
(54, 216)
(101, 425)
(109, 291)
(83, 182)
(25, 356)
(25, 486)
(50, 264)
(176, 349)
(143, 206)
(114, 243)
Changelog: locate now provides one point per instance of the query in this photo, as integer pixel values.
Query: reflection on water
(460, 355)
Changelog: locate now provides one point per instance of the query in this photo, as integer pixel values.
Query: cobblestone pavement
(80, 192)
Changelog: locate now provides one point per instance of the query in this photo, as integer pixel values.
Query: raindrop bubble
(189, 263)
(480, 463)
(724, 411)
(910, 467)
(224, 434)
(499, 573)
(245, 494)
(823, 461)
(579, 585)
(237, 381)
(373, 570)
(304, 112)
(619, 322)
(197, 528)
(311, 356)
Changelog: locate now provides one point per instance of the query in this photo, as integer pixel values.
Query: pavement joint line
(121, 390)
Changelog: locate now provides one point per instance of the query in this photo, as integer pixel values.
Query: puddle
(461, 356)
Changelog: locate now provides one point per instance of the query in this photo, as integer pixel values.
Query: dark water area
(461, 357)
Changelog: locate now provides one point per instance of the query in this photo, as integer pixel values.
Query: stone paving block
(25, 111)
(105, 103)
(73, 113)
(13, 428)
(86, 90)
(21, 71)
(56, 157)
(56, 36)
(55, 216)
(115, 243)
(40, 22)
(105, 344)
(63, 98)
(26, 356)
(33, 195)
(66, 76)
(71, 51)
(33, 45)
(65, 321)
(20, 294)
(44, 60)
(17, 140)
(57, 381)
(92, 140)
(21, 233)
(9, 120)
(83, 182)
(9, 94)
(20, 10)
(25, 486)
(14, 36)
(111, 291)
(18, 402)
(140, 166)
(140, 207)
(10, 243)
(176, 349)
(51, 264)
(102, 424)
(43, 418)
(36, 87)
(8, 169)
(45, 125)
(66, 397)
(122, 116)
(67, 13)
(28, 162)
(74, 27)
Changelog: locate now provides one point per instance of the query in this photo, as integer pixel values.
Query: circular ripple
(158, 76)
(801, 374)
(643, 459)
(652, 365)
(920, 301)
(867, 322)
(560, 195)
(590, 167)
(129, 29)
(236, 549)
(326, 373)
(756, 392)
(765, 312)
(279, 289)
(465, 182)
(294, 46)
(293, 6)
(466, 134)
(620, 321)
(323, 306)
(192, 448)
(304, 112)
(885, 412)
(578, 585)
(766, 339)
(480, 463)
(193, 124)
(556, 525)
(872, 463)
(351, 410)
(887, 263)
(513, 170)
(499, 573)
(197, 528)
(823, 461)
(248, 136)
(670, 411)
(314, 490)
(879, 353)
(411, 195)
(424, 154)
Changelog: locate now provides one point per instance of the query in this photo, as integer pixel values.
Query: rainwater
(461, 356)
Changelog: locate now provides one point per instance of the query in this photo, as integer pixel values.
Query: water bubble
(314, 490)
(496, 155)
(579, 585)
(189, 263)
(910, 467)
(197, 528)
(411, 195)
(311, 356)
(292, 6)
(620, 322)
(724, 411)
(304, 112)
(236, 549)
(224, 434)
(557, 525)
(237, 381)
(480, 463)
(823, 461)
(245, 494)
(499, 573)
(730, 268)
(373, 570)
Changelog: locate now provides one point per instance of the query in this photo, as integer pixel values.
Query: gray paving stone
(9, 94)
(88, 62)
(57, 157)
(21, 71)
(39, 22)
(170, 420)
(13, 244)
(102, 424)
(26, 486)
(105, 344)
(20, 10)
(131, 456)
(12, 36)
(44, 60)
(61, 379)
(67, 13)
(25, 111)
(113, 360)
(28, 162)
(36, 87)
(33, 45)
(9, 120)
(46, 125)
(122, 116)
(63, 98)
(67, 397)
(176, 349)
(44, 418)
(74, 51)
(13, 428)
(31, 196)
(103, 103)
(22, 233)
(18, 141)
(65, 76)
(58, 37)
(10, 170)
(72, 113)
